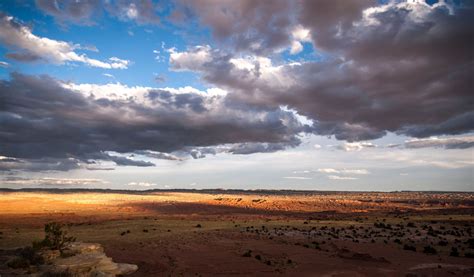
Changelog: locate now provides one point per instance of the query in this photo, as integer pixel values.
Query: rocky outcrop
(78, 260)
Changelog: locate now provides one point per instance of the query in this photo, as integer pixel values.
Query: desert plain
(257, 233)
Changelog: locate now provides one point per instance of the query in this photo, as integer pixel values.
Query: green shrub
(55, 237)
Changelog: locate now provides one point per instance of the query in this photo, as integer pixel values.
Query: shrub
(30, 254)
(454, 252)
(247, 254)
(429, 250)
(55, 237)
(470, 243)
(409, 247)
(442, 243)
(18, 262)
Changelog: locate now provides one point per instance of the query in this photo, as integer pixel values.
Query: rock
(79, 260)
(49, 255)
(90, 260)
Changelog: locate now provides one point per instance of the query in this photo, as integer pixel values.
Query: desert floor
(258, 234)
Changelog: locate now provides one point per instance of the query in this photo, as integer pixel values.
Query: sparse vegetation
(429, 250)
(247, 253)
(56, 237)
(454, 252)
(322, 234)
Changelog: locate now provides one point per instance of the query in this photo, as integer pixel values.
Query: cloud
(398, 67)
(447, 143)
(159, 78)
(32, 48)
(335, 177)
(56, 182)
(23, 57)
(80, 124)
(250, 148)
(83, 12)
(142, 12)
(300, 35)
(355, 146)
(302, 172)
(77, 12)
(257, 26)
(117, 159)
(38, 164)
(344, 171)
(297, 178)
(141, 184)
(158, 155)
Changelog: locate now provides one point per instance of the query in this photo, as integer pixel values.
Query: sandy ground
(288, 234)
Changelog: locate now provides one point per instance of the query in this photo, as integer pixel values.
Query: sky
(300, 95)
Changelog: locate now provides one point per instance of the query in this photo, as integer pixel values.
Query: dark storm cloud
(37, 165)
(330, 20)
(43, 119)
(258, 26)
(401, 67)
(183, 100)
(250, 148)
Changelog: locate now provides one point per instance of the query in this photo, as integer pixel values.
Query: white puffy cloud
(31, 47)
(193, 60)
(296, 47)
(299, 35)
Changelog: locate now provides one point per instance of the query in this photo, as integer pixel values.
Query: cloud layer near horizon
(43, 118)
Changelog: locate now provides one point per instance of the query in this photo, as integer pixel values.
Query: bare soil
(258, 233)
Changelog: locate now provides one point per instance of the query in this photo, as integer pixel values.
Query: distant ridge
(213, 191)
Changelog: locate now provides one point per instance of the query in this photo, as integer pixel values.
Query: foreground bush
(55, 237)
